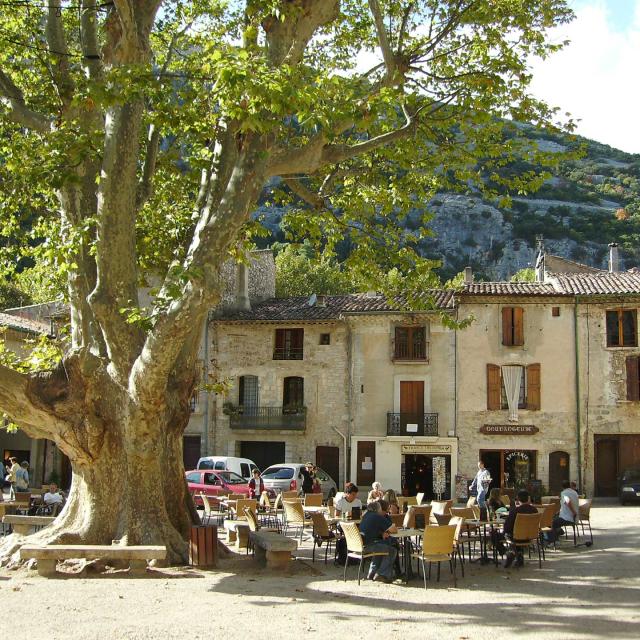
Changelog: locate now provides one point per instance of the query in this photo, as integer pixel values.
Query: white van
(242, 466)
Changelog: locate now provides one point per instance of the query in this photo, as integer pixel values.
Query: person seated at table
(53, 496)
(376, 492)
(569, 508)
(348, 501)
(392, 500)
(493, 502)
(376, 531)
(522, 505)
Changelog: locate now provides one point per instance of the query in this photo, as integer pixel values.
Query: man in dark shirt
(375, 529)
(307, 478)
(523, 505)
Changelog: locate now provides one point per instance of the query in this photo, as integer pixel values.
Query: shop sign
(426, 448)
(509, 429)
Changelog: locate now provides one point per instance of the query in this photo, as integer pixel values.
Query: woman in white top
(376, 493)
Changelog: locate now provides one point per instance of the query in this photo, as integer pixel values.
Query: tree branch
(13, 98)
(145, 190)
(89, 39)
(381, 31)
(57, 42)
(300, 190)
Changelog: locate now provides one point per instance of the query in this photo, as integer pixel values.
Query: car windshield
(231, 478)
(278, 473)
(631, 475)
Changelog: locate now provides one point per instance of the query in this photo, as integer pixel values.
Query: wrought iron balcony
(412, 424)
(292, 418)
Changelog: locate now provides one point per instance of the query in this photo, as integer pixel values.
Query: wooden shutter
(507, 326)
(493, 387)
(366, 454)
(633, 383)
(518, 326)
(280, 339)
(533, 387)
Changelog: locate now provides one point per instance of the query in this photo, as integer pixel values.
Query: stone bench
(23, 524)
(48, 555)
(238, 532)
(273, 546)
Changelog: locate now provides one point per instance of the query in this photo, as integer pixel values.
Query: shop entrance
(510, 468)
(418, 476)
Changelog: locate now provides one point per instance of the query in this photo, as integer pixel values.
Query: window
(289, 344)
(621, 328)
(193, 478)
(210, 478)
(248, 395)
(325, 338)
(221, 465)
(193, 402)
(633, 378)
(278, 473)
(244, 470)
(555, 312)
(293, 394)
(529, 388)
(410, 343)
(512, 326)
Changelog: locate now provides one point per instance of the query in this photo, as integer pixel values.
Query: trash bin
(203, 546)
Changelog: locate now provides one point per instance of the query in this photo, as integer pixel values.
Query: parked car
(287, 477)
(242, 466)
(629, 485)
(212, 483)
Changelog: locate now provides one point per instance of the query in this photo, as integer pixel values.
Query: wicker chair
(208, 511)
(471, 501)
(584, 516)
(470, 532)
(321, 534)
(526, 533)
(313, 500)
(419, 498)
(438, 545)
(546, 524)
(409, 521)
(294, 517)
(440, 508)
(241, 505)
(458, 523)
(506, 500)
(355, 547)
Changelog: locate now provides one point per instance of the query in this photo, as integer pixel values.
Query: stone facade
(247, 349)
(548, 342)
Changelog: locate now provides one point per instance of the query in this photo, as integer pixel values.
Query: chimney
(614, 262)
(321, 301)
(468, 275)
(242, 288)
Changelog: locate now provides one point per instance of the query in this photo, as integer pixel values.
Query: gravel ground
(579, 593)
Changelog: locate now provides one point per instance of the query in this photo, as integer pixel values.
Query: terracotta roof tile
(331, 308)
(509, 289)
(605, 283)
(23, 324)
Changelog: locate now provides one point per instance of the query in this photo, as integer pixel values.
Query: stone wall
(261, 278)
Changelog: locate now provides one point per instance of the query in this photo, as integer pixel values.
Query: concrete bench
(23, 524)
(237, 532)
(48, 555)
(273, 546)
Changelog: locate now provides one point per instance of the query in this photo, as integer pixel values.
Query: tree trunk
(128, 476)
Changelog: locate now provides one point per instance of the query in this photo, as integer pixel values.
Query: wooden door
(629, 451)
(606, 471)
(328, 459)
(558, 471)
(412, 407)
(366, 463)
(190, 451)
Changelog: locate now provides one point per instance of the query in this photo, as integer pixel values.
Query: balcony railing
(412, 424)
(294, 419)
(288, 354)
(403, 351)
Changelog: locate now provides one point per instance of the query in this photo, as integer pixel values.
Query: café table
(482, 525)
(405, 536)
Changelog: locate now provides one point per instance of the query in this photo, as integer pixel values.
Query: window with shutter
(410, 343)
(293, 394)
(522, 396)
(633, 378)
(289, 344)
(493, 387)
(622, 328)
(533, 387)
(512, 326)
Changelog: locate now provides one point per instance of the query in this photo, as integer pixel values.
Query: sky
(595, 78)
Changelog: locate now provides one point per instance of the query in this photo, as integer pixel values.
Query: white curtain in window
(512, 378)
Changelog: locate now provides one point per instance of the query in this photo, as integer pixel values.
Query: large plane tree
(138, 138)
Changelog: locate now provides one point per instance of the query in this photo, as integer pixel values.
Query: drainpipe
(577, 376)
(350, 399)
(205, 365)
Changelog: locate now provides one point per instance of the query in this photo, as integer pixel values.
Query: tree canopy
(137, 138)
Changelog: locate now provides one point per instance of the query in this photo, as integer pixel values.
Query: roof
(331, 307)
(509, 289)
(23, 324)
(603, 283)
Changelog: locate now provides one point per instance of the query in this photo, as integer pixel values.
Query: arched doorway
(558, 470)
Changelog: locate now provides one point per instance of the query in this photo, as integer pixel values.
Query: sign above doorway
(509, 429)
(425, 448)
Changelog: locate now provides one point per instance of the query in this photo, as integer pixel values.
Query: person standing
(22, 477)
(307, 478)
(11, 476)
(481, 483)
(256, 485)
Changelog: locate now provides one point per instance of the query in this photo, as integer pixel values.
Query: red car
(212, 483)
